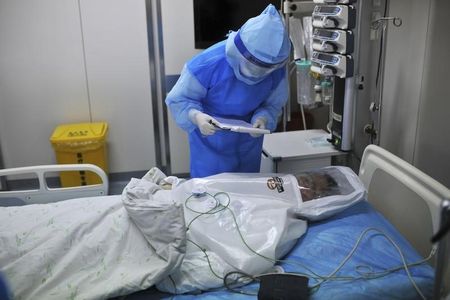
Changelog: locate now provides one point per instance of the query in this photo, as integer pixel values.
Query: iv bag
(297, 37)
(308, 32)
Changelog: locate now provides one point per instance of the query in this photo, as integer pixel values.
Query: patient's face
(313, 186)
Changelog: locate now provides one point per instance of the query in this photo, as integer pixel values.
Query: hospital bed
(41, 192)
(361, 243)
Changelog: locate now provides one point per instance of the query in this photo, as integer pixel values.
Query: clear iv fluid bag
(305, 90)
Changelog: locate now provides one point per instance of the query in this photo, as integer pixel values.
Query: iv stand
(376, 24)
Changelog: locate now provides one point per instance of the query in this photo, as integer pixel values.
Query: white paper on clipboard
(239, 126)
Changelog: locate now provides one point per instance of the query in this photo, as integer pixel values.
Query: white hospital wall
(416, 98)
(45, 80)
(405, 52)
(178, 32)
(178, 37)
(432, 149)
(42, 77)
(117, 62)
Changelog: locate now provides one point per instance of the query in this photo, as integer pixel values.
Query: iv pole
(376, 24)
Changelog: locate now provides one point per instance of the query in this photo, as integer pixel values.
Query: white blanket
(101, 247)
(91, 248)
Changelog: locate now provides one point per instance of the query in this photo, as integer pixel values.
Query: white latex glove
(259, 123)
(203, 122)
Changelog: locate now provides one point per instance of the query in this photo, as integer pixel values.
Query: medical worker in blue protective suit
(239, 78)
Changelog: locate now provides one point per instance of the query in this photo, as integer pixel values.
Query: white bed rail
(407, 197)
(45, 194)
(412, 201)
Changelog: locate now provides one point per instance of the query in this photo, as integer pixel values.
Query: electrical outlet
(376, 3)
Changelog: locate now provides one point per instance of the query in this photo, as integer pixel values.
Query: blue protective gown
(208, 83)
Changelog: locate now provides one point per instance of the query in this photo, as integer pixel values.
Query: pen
(217, 126)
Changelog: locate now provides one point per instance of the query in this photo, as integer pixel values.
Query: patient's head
(316, 185)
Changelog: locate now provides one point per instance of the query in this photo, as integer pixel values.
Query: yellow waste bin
(78, 144)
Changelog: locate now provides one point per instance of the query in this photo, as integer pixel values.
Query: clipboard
(237, 126)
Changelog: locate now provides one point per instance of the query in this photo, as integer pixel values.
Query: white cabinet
(295, 151)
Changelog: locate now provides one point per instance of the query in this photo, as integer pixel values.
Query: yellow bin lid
(79, 132)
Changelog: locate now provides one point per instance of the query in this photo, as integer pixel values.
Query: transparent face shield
(323, 183)
(252, 67)
(328, 191)
(250, 70)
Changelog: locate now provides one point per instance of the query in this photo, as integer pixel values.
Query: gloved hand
(203, 122)
(259, 123)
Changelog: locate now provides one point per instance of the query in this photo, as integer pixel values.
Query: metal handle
(384, 20)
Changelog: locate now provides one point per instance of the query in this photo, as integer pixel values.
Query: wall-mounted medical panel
(334, 16)
(333, 40)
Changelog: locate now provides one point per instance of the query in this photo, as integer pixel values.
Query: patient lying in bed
(328, 191)
(101, 247)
